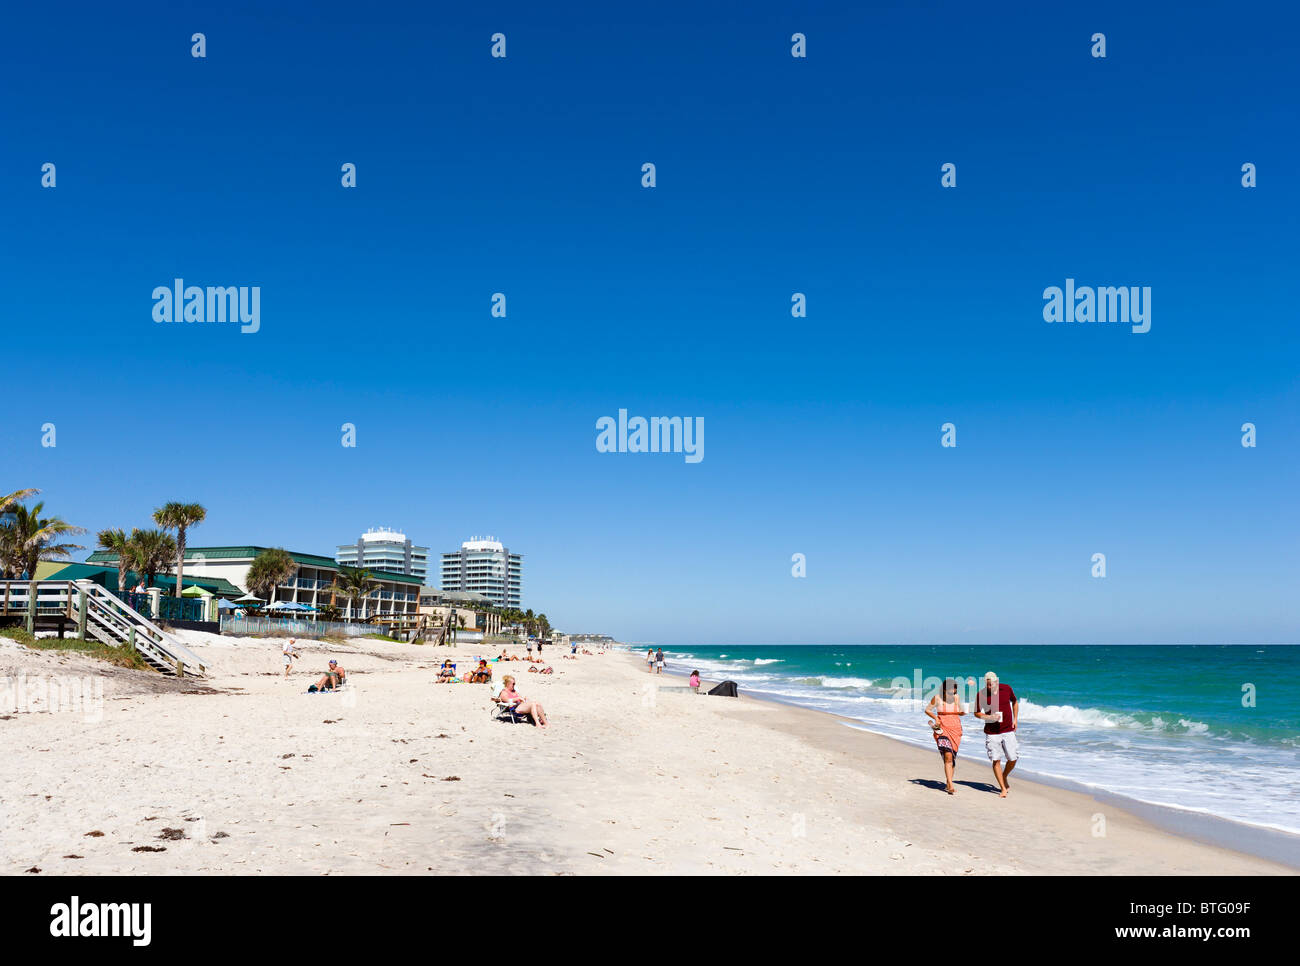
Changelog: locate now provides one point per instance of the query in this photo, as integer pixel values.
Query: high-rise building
(385, 550)
(484, 566)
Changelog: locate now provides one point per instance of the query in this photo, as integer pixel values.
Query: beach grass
(119, 656)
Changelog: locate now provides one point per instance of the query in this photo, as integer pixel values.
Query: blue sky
(775, 175)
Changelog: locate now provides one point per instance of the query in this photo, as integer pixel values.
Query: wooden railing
(98, 614)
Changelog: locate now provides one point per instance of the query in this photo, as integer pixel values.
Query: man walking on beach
(659, 661)
(290, 654)
(999, 709)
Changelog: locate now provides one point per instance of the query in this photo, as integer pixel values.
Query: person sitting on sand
(332, 679)
(480, 675)
(946, 724)
(516, 702)
(446, 673)
(694, 681)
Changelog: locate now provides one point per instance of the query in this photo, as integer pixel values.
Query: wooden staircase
(97, 614)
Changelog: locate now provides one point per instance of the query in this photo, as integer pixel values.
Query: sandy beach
(243, 773)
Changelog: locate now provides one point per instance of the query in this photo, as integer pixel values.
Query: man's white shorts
(1002, 747)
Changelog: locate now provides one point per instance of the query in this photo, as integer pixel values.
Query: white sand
(636, 775)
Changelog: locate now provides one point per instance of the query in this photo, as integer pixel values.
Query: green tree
(355, 585)
(117, 542)
(269, 570)
(26, 538)
(9, 500)
(151, 553)
(179, 517)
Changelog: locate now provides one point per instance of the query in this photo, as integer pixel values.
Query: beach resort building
(484, 566)
(440, 607)
(395, 595)
(387, 550)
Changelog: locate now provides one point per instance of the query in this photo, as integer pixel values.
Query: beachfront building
(386, 550)
(438, 607)
(395, 595)
(484, 566)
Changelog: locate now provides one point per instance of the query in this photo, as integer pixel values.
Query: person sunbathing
(480, 675)
(512, 700)
(446, 673)
(332, 679)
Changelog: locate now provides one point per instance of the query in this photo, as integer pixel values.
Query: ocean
(1213, 729)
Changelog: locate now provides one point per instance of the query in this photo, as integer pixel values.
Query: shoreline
(244, 773)
(1261, 842)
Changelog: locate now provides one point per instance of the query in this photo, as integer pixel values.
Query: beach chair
(502, 713)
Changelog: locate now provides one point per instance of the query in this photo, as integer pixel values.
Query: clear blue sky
(775, 176)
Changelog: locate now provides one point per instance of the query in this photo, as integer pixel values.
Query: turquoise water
(1170, 725)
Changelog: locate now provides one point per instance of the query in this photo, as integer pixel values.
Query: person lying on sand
(513, 700)
(545, 669)
(332, 679)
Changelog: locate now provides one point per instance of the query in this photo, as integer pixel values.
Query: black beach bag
(727, 689)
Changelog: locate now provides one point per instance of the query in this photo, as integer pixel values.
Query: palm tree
(9, 552)
(151, 553)
(27, 538)
(10, 500)
(355, 584)
(117, 542)
(179, 517)
(544, 625)
(269, 570)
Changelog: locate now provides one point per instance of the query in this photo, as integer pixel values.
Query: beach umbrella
(196, 591)
(224, 604)
(248, 599)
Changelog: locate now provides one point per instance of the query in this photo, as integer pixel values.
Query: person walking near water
(997, 706)
(659, 661)
(946, 724)
(650, 660)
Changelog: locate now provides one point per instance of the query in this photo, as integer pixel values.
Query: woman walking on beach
(946, 724)
(650, 660)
